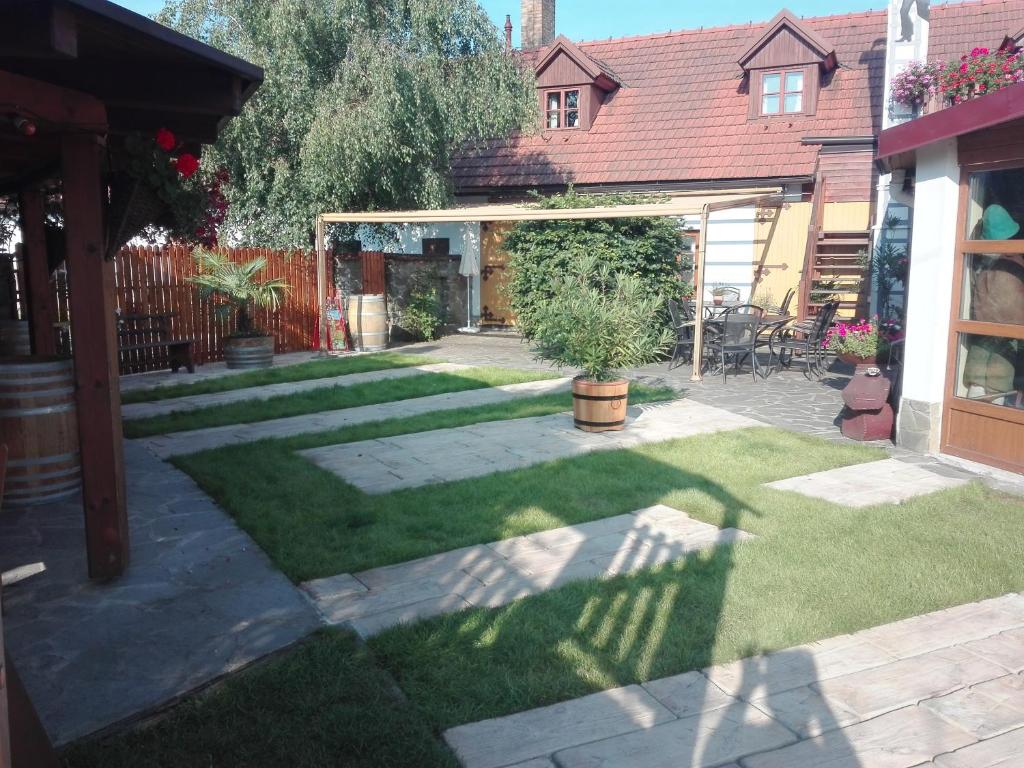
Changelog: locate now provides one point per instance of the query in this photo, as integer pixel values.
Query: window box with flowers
(158, 187)
(926, 87)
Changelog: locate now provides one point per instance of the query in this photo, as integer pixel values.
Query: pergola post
(94, 337)
(321, 284)
(42, 310)
(698, 288)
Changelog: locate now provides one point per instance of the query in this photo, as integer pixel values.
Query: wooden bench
(143, 340)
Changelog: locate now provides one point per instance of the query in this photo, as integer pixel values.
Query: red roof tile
(681, 114)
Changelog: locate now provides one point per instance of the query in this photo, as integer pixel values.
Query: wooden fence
(154, 280)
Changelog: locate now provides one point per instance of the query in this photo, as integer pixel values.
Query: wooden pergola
(679, 205)
(72, 74)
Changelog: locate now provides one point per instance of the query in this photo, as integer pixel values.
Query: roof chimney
(508, 32)
(538, 23)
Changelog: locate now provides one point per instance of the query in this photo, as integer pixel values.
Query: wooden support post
(94, 335)
(698, 295)
(321, 284)
(42, 302)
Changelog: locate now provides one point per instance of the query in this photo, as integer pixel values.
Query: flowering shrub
(155, 186)
(862, 338)
(916, 83)
(980, 72)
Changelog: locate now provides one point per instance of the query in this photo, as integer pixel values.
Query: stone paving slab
(267, 391)
(889, 481)
(179, 443)
(845, 702)
(154, 379)
(446, 455)
(496, 574)
(199, 600)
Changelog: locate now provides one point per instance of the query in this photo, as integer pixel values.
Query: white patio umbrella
(470, 267)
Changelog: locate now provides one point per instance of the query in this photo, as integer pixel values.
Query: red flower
(187, 165)
(165, 140)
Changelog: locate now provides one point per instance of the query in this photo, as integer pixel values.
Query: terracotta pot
(599, 406)
(249, 351)
(846, 357)
(718, 300)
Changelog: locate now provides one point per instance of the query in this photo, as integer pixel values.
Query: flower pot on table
(599, 406)
(249, 351)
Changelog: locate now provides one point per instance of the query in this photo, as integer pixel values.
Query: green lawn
(816, 570)
(323, 704)
(313, 524)
(314, 369)
(330, 399)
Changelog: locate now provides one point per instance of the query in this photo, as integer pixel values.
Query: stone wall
(401, 274)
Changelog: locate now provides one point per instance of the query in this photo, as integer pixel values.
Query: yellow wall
(782, 242)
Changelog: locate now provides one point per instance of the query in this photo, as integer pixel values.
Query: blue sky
(594, 19)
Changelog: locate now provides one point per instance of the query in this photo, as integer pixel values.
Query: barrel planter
(38, 422)
(249, 351)
(368, 321)
(599, 406)
(14, 338)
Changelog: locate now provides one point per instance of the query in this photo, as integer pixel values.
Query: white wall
(933, 243)
(729, 250)
(464, 239)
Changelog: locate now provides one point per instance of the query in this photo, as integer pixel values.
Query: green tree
(543, 252)
(363, 104)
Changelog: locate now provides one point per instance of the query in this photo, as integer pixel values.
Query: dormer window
(782, 93)
(562, 108)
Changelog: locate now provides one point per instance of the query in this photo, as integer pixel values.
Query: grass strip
(816, 570)
(313, 524)
(323, 704)
(314, 369)
(330, 399)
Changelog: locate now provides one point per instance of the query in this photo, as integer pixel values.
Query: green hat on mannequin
(997, 224)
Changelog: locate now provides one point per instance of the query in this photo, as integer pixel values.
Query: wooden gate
(494, 305)
(374, 277)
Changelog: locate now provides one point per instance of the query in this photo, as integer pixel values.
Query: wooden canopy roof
(120, 71)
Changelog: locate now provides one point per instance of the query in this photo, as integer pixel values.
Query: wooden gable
(788, 43)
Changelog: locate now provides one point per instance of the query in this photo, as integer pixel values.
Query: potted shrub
(718, 295)
(600, 322)
(861, 343)
(234, 289)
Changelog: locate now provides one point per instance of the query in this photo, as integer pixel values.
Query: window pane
(991, 369)
(794, 102)
(995, 206)
(554, 119)
(993, 290)
(794, 81)
(572, 119)
(554, 100)
(770, 105)
(572, 99)
(770, 84)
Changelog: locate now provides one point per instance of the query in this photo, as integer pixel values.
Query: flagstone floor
(503, 571)
(165, 446)
(408, 461)
(267, 391)
(943, 689)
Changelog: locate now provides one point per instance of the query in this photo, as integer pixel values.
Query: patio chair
(684, 325)
(736, 336)
(787, 301)
(806, 339)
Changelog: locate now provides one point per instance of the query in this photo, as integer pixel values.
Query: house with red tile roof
(792, 104)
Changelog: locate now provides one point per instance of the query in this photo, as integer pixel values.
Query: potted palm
(235, 289)
(600, 322)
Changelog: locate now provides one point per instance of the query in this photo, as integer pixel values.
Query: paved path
(267, 391)
(199, 600)
(945, 689)
(878, 482)
(141, 381)
(498, 573)
(408, 461)
(193, 441)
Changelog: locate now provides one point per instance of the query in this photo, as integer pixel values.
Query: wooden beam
(97, 390)
(60, 107)
(38, 31)
(196, 91)
(187, 127)
(42, 309)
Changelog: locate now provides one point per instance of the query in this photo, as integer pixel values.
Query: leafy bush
(541, 252)
(422, 315)
(600, 321)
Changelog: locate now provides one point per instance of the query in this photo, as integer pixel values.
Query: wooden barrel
(368, 321)
(599, 406)
(14, 337)
(249, 352)
(38, 422)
